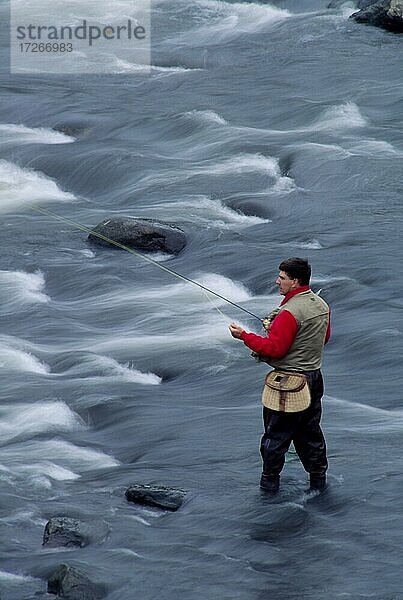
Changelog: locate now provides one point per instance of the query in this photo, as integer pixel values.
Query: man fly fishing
(296, 334)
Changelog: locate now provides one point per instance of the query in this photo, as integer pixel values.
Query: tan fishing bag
(285, 391)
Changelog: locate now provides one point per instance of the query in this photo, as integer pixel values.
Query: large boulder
(145, 235)
(156, 495)
(69, 583)
(64, 531)
(387, 14)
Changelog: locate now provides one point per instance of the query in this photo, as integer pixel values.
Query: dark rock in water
(63, 531)
(156, 495)
(387, 14)
(67, 582)
(142, 234)
(77, 127)
(251, 207)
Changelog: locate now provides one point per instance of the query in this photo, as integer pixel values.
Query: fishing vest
(312, 316)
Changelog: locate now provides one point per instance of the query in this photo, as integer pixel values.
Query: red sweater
(282, 332)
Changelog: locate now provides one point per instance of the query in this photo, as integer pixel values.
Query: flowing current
(264, 131)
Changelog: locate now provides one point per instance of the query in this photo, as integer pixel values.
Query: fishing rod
(77, 225)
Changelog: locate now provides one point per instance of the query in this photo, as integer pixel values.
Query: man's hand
(236, 330)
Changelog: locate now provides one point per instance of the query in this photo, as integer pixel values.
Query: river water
(264, 131)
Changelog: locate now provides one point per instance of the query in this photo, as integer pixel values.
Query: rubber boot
(270, 483)
(317, 482)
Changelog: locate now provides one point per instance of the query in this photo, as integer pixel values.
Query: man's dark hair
(297, 268)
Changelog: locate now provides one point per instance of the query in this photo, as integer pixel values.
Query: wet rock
(79, 127)
(251, 207)
(156, 495)
(145, 235)
(64, 531)
(387, 14)
(67, 582)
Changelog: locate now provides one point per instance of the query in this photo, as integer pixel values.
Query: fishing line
(224, 316)
(139, 254)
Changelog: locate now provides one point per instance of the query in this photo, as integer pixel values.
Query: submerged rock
(142, 234)
(156, 495)
(64, 531)
(387, 14)
(67, 582)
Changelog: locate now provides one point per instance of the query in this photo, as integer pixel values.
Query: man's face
(285, 284)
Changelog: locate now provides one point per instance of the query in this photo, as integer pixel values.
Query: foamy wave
(22, 288)
(232, 290)
(283, 185)
(73, 12)
(329, 279)
(74, 251)
(309, 245)
(162, 300)
(217, 213)
(204, 210)
(41, 472)
(67, 460)
(10, 132)
(171, 70)
(224, 21)
(128, 373)
(83, 458)
(373, 147)
(123, 66)
(250, 163)
(40, 417)
(193, 301)
(88, 253)
(227, 215)
(344, 116)
(244, 163)
(18, 186)
(15, 578)
(15, 359)
(207, 116)
(111, 368)
(348, 9)
(334, 149)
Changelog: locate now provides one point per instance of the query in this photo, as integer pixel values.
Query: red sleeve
(279, 339)
(329, 331)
